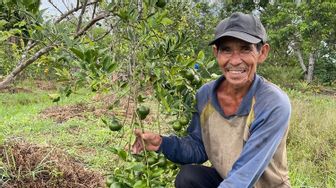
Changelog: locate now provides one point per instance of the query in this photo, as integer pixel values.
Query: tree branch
(104, 35)
(31, 44)
(55, 6)
(22, 66)
(71, 12)
(93, 21)
(80, 18)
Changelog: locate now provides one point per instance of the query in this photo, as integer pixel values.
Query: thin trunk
(299, 55)
(311, 65)
(140, 8)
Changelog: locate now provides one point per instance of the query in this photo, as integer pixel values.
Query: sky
(59, 3)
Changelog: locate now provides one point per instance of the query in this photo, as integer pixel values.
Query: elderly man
(241, 120)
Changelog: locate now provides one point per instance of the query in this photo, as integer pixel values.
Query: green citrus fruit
(161, 3)
(183, 120)
(114, 125)
(177, 127)
(143, 111)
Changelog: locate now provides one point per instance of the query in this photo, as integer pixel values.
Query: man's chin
(238, 83)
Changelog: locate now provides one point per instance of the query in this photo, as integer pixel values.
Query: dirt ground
(13, 90)
(32, 166)
(99, 107)
(45, 85)
(61, 114)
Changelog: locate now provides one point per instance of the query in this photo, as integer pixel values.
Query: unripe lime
(177, 126)
(114, 125)
(161, 3)
(183, 120)
(143, 111)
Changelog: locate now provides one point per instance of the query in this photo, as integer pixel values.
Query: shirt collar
(245, 105)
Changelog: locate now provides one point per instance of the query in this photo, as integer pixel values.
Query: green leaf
(4, 35)
(106, 61)
(137, 167)
(104, 121)
(140, 184)
(210, 64)
(112, 67)
(157, 172)
(78, 53)
(166, 21)
(122, 154)
(200, 56)
(21, 23)
(2, 23)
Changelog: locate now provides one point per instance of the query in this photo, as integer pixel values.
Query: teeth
(236, 71)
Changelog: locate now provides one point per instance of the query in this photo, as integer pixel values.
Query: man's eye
(225, 49)
(246, 49)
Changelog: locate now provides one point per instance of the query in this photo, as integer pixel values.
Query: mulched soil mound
(32, 166)
(100, 106)
(61, 114)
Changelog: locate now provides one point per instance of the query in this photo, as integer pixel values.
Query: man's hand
(152, 141)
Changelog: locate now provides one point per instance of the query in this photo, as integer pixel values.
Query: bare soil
(14, 90)
(33, 166)
(45, 85)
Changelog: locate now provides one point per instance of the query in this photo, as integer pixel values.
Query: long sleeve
(188, 149)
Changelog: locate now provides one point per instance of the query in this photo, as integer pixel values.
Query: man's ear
(263, 53)
(214, 50)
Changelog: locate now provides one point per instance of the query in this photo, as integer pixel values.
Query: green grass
(311, 141)
(87, 140)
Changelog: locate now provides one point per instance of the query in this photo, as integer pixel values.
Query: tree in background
(306, 31)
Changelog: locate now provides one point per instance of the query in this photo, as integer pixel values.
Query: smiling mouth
(236, 71)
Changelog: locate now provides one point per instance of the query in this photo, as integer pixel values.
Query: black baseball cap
(242, 26)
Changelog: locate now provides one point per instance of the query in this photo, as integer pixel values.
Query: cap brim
(240, 35)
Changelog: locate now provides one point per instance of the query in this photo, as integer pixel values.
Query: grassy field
(74, 126)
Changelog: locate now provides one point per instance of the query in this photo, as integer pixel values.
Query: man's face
(238, 60)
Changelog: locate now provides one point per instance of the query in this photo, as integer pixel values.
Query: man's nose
(235, 58)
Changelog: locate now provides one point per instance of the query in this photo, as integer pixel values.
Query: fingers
(137, 147)
(150, 141)
(137, 132)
